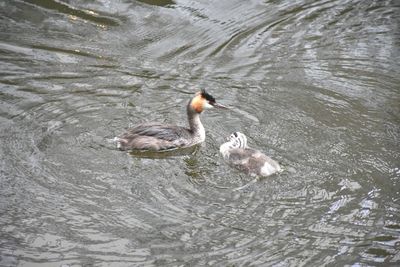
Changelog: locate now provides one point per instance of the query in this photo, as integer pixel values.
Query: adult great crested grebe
(157, 136)
(246, 159)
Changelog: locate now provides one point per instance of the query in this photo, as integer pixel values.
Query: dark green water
(313, 84)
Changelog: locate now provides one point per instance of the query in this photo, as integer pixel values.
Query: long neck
(195, 125)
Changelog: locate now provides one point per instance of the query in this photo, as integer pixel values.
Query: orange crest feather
(198, 103)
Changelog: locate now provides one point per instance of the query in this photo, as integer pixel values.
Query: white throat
(198, 127)
(225, 148)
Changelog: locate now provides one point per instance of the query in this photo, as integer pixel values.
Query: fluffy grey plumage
(251, 161)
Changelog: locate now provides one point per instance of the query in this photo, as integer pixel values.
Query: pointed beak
(216, 105)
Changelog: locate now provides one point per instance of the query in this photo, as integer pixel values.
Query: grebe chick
(246, 159)
(157, 136)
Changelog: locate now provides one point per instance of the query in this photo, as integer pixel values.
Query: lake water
(313, 84)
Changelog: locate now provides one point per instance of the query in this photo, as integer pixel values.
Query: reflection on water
(164, 154)
(314, 85)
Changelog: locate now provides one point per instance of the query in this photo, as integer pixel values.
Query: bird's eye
(235, 134)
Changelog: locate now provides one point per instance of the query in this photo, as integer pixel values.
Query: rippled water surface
(313, 84)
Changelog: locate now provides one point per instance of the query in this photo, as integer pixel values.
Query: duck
(248, 160)
(155, 136)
